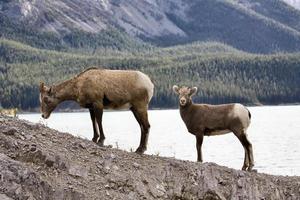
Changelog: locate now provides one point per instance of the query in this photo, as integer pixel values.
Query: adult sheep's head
(185, 94)
(48, 100)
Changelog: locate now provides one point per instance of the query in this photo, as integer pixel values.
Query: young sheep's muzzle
(182, 101)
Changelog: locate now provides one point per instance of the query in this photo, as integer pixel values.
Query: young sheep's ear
(193, 91)
(176, 89)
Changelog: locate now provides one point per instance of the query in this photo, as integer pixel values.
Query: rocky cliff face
(137, 17)
(40, 163)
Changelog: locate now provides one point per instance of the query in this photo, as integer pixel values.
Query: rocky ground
(37, 162)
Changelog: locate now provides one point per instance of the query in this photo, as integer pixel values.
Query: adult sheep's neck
(66, 90)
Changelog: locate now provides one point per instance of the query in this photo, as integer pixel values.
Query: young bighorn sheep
(98, 89)
(209, 120)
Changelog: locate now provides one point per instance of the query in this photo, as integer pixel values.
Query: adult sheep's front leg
(98, 110)
(141, 116)
(93, 118)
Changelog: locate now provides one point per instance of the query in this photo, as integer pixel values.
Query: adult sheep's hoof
(95, 139)
(140, 150)
(100, 143)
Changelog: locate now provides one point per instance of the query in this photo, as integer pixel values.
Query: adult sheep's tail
(249, 114)
(146, 82)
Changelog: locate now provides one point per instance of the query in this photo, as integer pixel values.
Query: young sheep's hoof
(140, 150)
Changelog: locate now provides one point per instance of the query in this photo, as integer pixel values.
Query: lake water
(274, 133)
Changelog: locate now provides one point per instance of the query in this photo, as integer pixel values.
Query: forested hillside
(222, 73)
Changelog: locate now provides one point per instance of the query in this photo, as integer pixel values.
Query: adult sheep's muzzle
(45, 116)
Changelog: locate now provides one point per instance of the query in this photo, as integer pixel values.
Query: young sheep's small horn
(193, 90)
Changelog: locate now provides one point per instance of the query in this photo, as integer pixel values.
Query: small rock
(49, 161)
(212, 194)
(33, 147)
(4, 197)
(112, 156)
(82, 145)
(240, 183)
(28, 137)
(107, 167)
(241, 174)
(115, 167)
(157, 191)
(77, 170)
(9, 131)
(136, 165)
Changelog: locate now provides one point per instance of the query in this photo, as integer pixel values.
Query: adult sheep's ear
(176, 89)
(49, 90)
(42, 85)
(193, 91)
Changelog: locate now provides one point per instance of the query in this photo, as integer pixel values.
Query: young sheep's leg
(199, 141)
(93, 118)
(98, 115)
(141, 116)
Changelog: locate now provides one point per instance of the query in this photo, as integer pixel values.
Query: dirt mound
(37, 162)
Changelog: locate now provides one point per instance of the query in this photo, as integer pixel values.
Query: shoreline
(151, 109)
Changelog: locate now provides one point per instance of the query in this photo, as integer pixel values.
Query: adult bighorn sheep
(209, 120)
(98, 89)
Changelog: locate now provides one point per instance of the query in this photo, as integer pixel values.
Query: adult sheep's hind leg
(141, 115)
(248, 160)
(93, 118)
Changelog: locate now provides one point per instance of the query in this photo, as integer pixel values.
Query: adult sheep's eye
(46, 100)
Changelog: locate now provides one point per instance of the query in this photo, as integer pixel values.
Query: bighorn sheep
(12, 112)
(98, 89)
(209, 120)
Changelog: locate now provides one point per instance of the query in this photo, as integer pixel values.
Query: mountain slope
(238, 25)
(253, 26)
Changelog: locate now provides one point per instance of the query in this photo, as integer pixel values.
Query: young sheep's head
(48, 100)
(185, 94)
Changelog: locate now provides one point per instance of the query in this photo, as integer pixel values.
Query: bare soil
(37, 162)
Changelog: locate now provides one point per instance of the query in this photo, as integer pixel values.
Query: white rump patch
(240, 111)
(144, 80)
